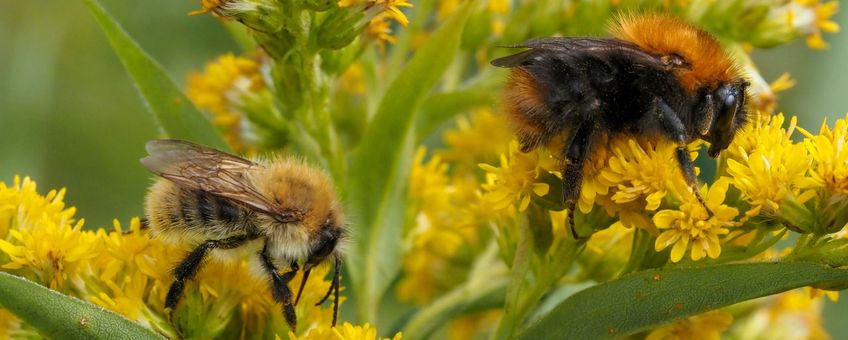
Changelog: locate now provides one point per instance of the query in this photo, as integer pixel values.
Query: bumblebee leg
(145, 224)
(677, 132)
(280, 286)
(191, 265)
(334, 288)
(577, 148)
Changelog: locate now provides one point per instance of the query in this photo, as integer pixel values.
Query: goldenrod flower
(705, 326)
(789, 315)
(55, 252)
(821, 13)
(631, 176)
(126, 297)
(641, 171)
(445, 215)
(607, 252)
(444, 8)
(690, 225)
(478, 138)
(427, 180)
(498, 10)
(782, 83)
(345, 331)
(470, 326)
(224, 89)
(763, 132)
(775, 168)
(23, 207)
(515, 180)
(380, 30)
(9, 324)
(207, 6)
(376, 7)
(829, 150)
(116, 280)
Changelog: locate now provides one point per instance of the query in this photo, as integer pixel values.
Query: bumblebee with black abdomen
(283, 210)
(658, 77)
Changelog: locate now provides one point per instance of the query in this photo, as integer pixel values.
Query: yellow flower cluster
(445, 215)
(635, 179)
(447, 206)
(346, 331)
(821, 13)
(690, 226)
(767, 166)
(128, 272)
(789, 315)
(829, 150)
(709, 325)
(224, 89)
(516, 180)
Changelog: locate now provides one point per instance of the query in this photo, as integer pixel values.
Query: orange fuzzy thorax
(709, 64)
(295, 186)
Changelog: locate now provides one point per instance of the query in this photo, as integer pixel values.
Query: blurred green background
(70, 116)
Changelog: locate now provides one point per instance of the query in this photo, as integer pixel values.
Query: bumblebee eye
(730, 102)
(325, 245)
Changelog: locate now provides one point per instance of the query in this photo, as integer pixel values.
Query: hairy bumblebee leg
(189, 266)
(685, 163)
(334, 289)
(677, 132)
(575, 152)
(336, 282)
(302, 284)
(279, 286)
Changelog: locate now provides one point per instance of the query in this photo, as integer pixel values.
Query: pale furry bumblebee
(282, 209)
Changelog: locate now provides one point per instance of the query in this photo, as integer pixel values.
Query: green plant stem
(426, 321)
(641, 246)
(484, 281)
(323, 129)
(521, 299)
(520, 268)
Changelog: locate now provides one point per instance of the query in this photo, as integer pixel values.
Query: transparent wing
(197, 167)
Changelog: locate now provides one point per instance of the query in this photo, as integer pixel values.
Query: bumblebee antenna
(302, 284)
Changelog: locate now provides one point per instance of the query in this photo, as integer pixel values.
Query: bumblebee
(283, 210)
(657, 77)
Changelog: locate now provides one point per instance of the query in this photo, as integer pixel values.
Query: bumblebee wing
(197, 167)
(567, 46)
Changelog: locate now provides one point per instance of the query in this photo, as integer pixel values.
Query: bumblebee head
(323, 245)
(326, 245)
(730, 114)
(328, 240)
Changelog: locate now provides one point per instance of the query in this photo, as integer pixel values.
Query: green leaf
(58, 316)
(443, 106)
(380, 167)
(651, 298)
(171, 110)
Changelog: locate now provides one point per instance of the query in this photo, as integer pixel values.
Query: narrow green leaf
(653, 297)
(58, 316)
(380, 166)
(443, 106)
(171, 110)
